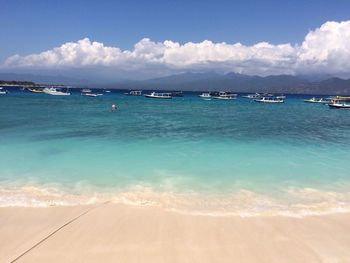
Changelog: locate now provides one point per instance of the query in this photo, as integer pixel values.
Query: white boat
(134, 93)
(55, 91)
(269, 100)
(205, 95)
(85, 90)
(155, 95)
(222, 95)
(91, 94)
(252, 96)
(339, 105)
(315, 100)
(2, 91)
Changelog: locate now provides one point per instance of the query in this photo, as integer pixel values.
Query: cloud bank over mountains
(325, 50)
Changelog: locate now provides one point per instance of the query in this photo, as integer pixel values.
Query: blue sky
(28, 27)
(33, 26)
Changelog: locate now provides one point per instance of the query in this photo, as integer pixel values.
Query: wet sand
(122, 233)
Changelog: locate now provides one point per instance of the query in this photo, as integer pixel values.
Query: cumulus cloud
(324, 50)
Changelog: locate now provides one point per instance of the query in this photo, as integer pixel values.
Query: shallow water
(184, 154)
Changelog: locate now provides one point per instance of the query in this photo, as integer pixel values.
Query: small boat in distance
(155, 95)
(89, 94)
(339, 105)
(85, 90)
(205, 95)
(270, 100)
(315, 100)
(2, 91)
(222, 95)
(56, 91)
(36, 90)
(252, 96)
(134, 93)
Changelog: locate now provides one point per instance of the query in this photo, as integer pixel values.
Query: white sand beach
(122, 233)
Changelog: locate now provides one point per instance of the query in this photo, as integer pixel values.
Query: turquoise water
(181, 153)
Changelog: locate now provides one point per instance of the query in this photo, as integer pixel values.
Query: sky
(155, 38)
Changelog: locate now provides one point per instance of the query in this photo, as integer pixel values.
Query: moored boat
(156, 95)
(134, 93)
(222, 95)
(339, 105)
(205, 95)
(56, 91)
(252, 96)
(269, 100)
(2, 91)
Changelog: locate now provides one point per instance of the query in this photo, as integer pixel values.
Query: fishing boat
(252, 96)
(89, 94)
(339, 105)
(134, 93)
(269, 100)
(205, 95)
(155, 95)
(55, 91)
(222, 95)
(35, 90)
(2, 91)
(315, 100)
(85, 90)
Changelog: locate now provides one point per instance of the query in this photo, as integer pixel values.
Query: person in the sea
(114, 107)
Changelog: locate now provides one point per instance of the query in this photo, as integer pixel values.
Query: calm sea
(185, 154)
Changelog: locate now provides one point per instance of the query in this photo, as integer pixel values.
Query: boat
(2, 91)
(270, 100)
(89, 94)
(339, 105)
(222, 95)
(280, 97)
(134, 93)
(85, 90)
(55, 91)
(35, 90)
(252, 96)
(205, 95)
(156, 95)
(315, 100)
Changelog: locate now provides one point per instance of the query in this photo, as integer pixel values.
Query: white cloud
(324, 50)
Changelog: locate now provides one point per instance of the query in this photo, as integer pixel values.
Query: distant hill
(211, 81)
(42, 79)
(242, 83)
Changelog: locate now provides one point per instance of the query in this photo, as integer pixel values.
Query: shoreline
(110, 232)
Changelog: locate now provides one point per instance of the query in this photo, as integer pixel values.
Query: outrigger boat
(222, 95)
(2, 91)
(252, 96)
(134, 93)
(270, 100)
(55, 91)
(205, 95)
(155, 95)
(35, 90)
(87, 92)
(315, 100)
(339, 105)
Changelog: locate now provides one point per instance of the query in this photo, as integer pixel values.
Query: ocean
(185, 154)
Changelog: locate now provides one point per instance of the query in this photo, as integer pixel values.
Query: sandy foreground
(121, 233)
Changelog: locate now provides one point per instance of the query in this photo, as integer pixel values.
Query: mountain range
(209, 82)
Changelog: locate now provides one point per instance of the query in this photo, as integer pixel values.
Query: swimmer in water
(114, 107)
